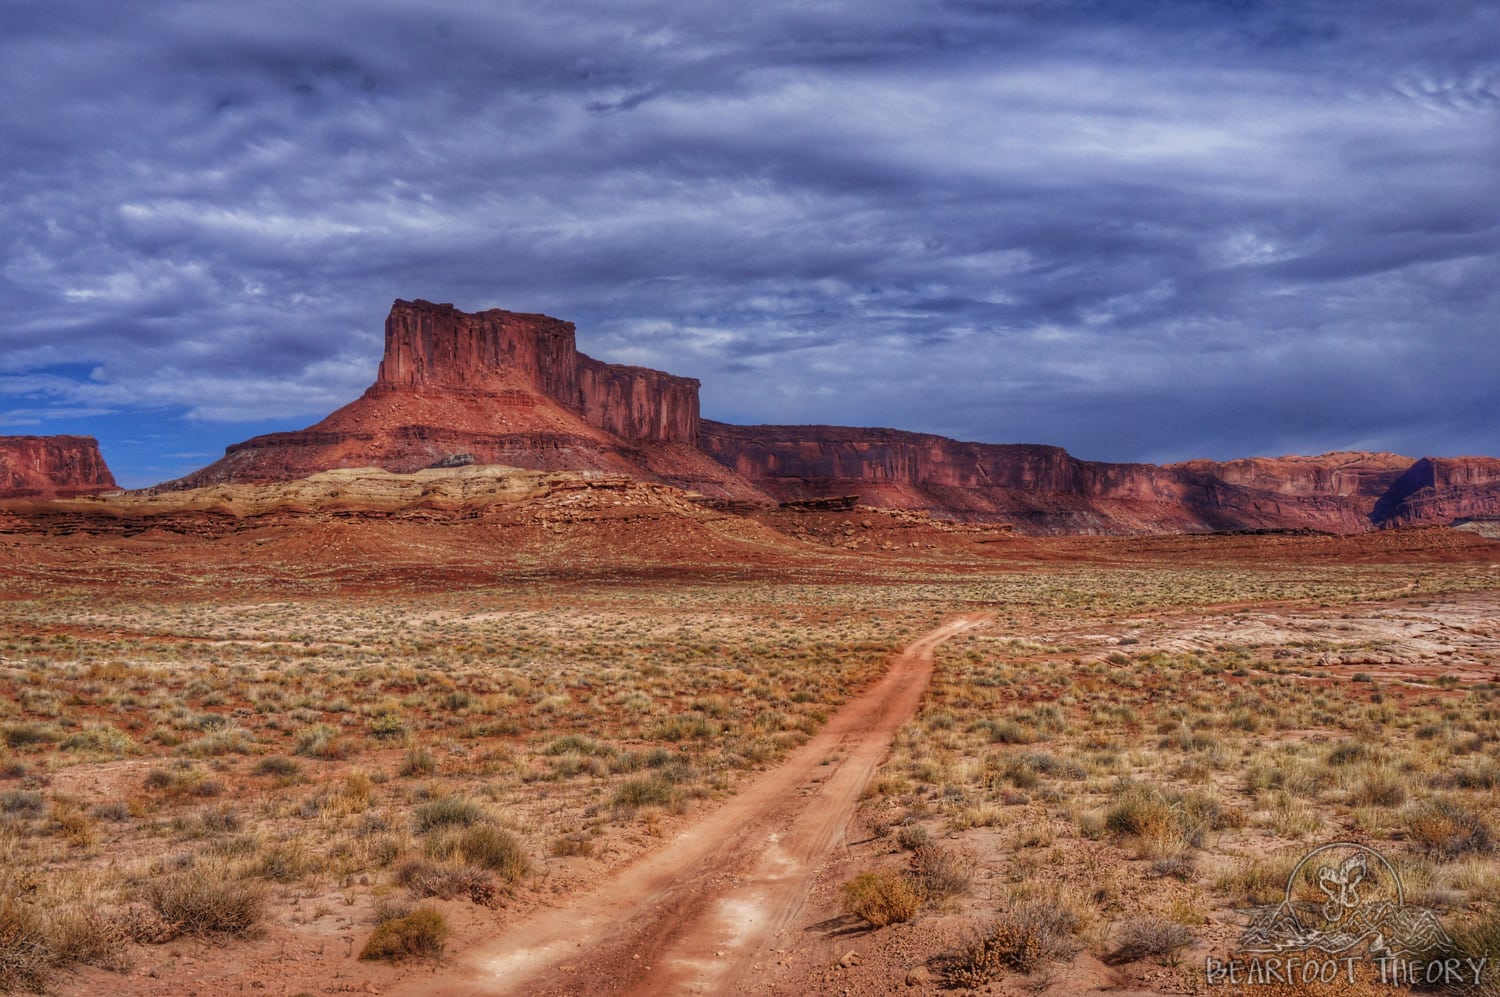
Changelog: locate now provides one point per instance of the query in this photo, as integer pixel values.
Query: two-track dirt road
(691, 916)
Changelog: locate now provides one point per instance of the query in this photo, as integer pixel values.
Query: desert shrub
(48, 934)
(1023, 937)
(1378, 789)
(417, 761)
(83, 934)
(1446, 829)
(448, 811)
(573, 744)
(279, 766)
(939, 872)
(1166, 819)
(25, 951)
(415, 935)
(1350, 753)
(285, 862)
(23, 735)
(223, 741)
(321, 741)
(494, 848)
(913, 836)
(446, 881)
(106, 739)
(653, 791)
(387, 727)
(1255, 882)
(206, 899)
(1152, 938)
(112, 810)
(22, 803)
(881, 898)
(1479, 939)
(1005, 732)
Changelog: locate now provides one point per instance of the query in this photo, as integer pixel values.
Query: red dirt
(692, 916)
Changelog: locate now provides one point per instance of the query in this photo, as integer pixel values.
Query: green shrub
(105, 739)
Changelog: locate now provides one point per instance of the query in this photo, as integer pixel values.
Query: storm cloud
(1142, 231)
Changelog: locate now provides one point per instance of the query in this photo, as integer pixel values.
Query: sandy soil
(694, 916)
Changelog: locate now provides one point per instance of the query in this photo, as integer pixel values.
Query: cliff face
(494, 387)
(1440, 490)
(45, 467)
(1045, 490)
(498, 387)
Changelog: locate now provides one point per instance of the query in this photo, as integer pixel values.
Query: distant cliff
(494, 387)
(45, 467)
(1043, 489)
(499, 387)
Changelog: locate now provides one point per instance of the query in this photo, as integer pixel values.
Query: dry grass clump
(207, 898)
(1164, 820)
(1447, 829)
(1023, 937)
(1479, 938)
(44, 934)
(414, 935)
(487, 847)
(448, 811)
(881, 897)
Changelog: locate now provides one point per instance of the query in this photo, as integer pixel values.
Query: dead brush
(940, 872)
(206, 898)
(1151, 938)
(1023, 937)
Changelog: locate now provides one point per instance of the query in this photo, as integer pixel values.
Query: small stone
(918, 976)
(851, 958)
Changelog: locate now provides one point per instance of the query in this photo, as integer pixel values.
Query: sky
(1137, 229)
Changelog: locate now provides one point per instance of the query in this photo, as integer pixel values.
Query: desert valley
(516, 676)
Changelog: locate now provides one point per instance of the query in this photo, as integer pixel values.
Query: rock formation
(1043, 489)
(495, 387)
(500, 387)
(1440, 490)
(47, 467)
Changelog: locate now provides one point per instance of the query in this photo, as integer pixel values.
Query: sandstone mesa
(508, 388)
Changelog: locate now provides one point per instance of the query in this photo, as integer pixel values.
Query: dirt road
(692, 916)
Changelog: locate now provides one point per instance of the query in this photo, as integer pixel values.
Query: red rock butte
(50, 467)
(495, 387)
(499, 387)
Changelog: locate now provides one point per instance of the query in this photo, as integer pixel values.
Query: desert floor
(634, 749)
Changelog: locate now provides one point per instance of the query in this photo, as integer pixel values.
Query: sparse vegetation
(418, 934)
(1120, 756)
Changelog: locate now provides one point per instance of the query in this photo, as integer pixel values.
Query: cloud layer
(1137, 230)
